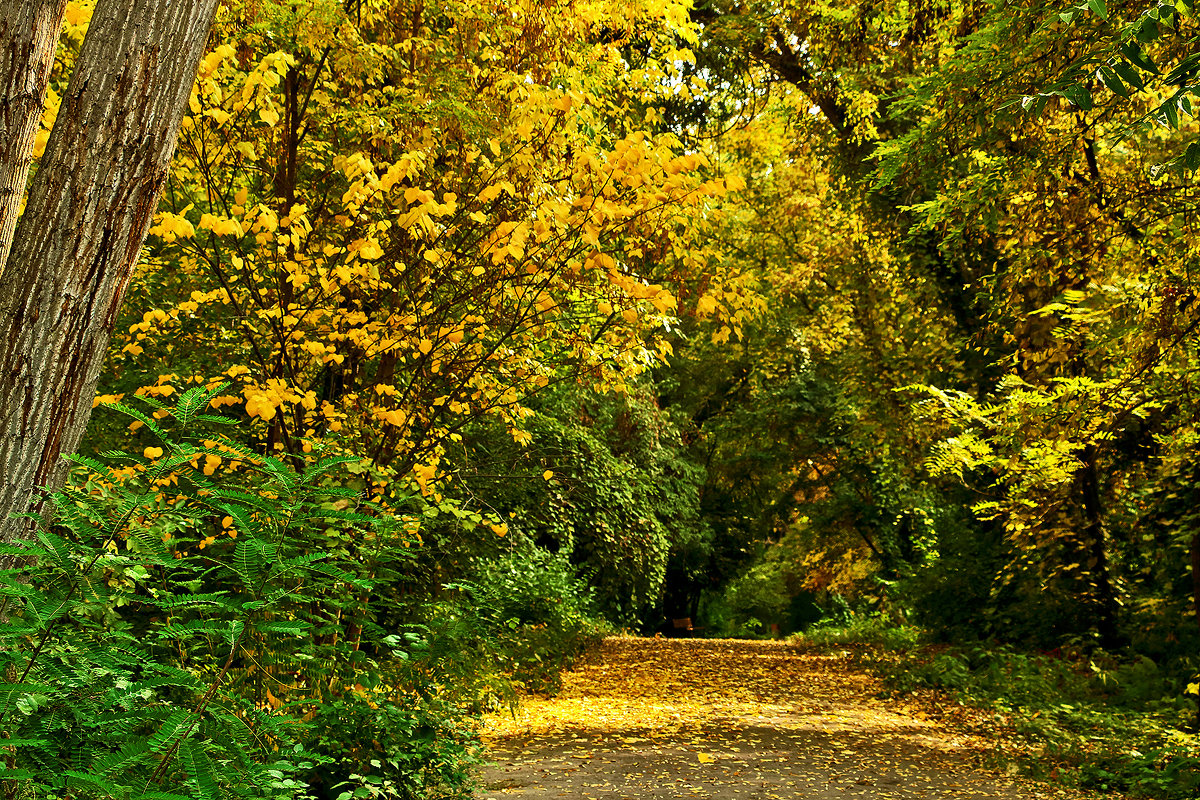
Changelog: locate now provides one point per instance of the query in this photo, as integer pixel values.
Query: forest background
(466, 331)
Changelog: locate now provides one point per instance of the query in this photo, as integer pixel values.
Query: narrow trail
(683, 718)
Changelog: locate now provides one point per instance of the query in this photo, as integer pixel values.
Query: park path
(722, 719)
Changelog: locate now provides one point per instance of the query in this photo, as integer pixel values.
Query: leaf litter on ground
(721, 719)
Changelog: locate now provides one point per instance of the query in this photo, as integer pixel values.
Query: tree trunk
(28, 35)
(75, 246)
(1105, 601)
(1195, 554)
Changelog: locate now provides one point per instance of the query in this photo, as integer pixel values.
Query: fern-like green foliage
(169, 632)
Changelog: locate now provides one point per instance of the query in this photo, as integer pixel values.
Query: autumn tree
(1006, 163)
(390, 230)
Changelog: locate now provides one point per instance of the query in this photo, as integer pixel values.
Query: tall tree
(88, 210)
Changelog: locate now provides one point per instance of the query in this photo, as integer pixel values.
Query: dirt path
(672, 718)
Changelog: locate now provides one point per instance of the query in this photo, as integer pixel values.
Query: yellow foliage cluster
(396, 223)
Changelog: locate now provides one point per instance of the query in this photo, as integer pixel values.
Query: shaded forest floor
(719, 719)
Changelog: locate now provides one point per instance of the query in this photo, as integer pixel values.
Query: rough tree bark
(28, 36)
(89, 207)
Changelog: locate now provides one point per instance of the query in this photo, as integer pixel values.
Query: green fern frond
(21, 551)
(199, 770)
(236, 448)
(131, 754)
(95, 465)
(179, 722)
(17, 774)
(213, 419)
(145, 419)
(299, 562)
(280, 472)
(90, 779)
(191, 403)
(324, 467)
(332, 515)
(251, 558)
(60, 550)
(150, 545)
(170, 602)
(293, 627)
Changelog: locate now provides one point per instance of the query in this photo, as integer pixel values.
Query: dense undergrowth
(208, 637)
(1092, 719)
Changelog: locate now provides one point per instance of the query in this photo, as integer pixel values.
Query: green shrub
(143, 637)
(1097, 722)
(394, 747)
(866, 629)
(174, 635)
(539, 611)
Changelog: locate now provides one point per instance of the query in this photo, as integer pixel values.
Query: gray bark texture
(77, 242)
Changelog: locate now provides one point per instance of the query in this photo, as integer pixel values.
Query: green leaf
(1099, 8)
(1183, 71)
(200, 770)
(1134, 53)
(1147, 31)
(295, 627)
(1191, 156)
(1128, 74)
(177, 723)
(130, 754)
(1111, 80)
(1172, 116)
(170, 601)
(150, 424)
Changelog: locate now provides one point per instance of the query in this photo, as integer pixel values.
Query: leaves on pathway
(723, 719)
(664, 686)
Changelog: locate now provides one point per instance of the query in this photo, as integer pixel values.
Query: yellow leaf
(76, 14)
(152, 452)
(704, 758)
(548, 474)
(371, 250)
(39, 142)
(260, 406)
(425, 346)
